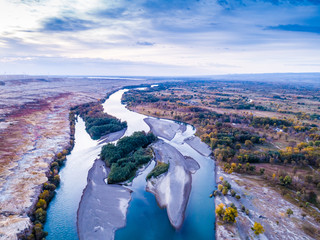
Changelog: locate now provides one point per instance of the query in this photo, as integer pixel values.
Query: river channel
(145, 220)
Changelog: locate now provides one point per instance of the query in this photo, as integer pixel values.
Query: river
(145, 220)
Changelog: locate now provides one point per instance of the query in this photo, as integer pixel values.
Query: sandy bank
(172, 189)
(164, 129)
(112, 136)
(103, 207)
(199, 146)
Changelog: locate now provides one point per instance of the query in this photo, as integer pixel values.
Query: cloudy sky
(159, 37)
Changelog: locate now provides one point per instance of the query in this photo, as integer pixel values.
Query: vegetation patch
(127, 155)
(159, 169)
(97, 122)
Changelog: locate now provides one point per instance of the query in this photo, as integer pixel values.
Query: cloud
(63, 24)
(114, 13)
(145, 43)
(295, 28)
(189, 36)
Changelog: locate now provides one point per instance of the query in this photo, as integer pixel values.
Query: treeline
(127, 155)
(97, 122)
(263, 121)
(38, 215)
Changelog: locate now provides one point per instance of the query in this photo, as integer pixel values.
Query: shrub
(225, 191)
(56, 180)
(226, 184)
(289, 212)
(220, 210)
(45, 195)
(238, 197)
(233, 193)
(257, 228)
(243, 208)
(41, 204)
(37, 232)
(49, 186)
(40, 215)
(159, 169)
(230, 215)
(287, 180)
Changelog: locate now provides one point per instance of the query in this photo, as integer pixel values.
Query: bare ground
(34, 126)
(267, 207)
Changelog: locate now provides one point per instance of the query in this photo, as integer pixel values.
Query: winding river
(145, 220)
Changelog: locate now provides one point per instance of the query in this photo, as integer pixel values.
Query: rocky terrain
(267, 207)
(34, 126)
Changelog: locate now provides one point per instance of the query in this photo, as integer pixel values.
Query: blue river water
(145, 220)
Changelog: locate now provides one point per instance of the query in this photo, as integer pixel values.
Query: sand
(173, 188)
(199, 146)
(163, 128)
(112, 136)
(103, 207)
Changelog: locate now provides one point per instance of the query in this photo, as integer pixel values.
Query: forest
(97, 122)
(125, 157)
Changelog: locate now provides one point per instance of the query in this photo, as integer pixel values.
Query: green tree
(41, 215)
(39, 234)
(287, 180)
(289, 212)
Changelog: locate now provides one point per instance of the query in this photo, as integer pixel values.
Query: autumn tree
(42, 204)
(257, 228)
(220, 210)
(230, 215)
(248, 144)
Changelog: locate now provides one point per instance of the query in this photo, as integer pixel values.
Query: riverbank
(196, 143)
(164, 129)
(34, 128)
(103, 207)
(266, 206)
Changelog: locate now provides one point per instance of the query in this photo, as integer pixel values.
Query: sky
(159, 37)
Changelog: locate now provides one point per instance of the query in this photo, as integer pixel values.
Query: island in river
(171, 189)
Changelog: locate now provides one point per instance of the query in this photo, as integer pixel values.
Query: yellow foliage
(220, 209)
(257, 228)
(225, 191)
(221, 178)
(230, 215)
